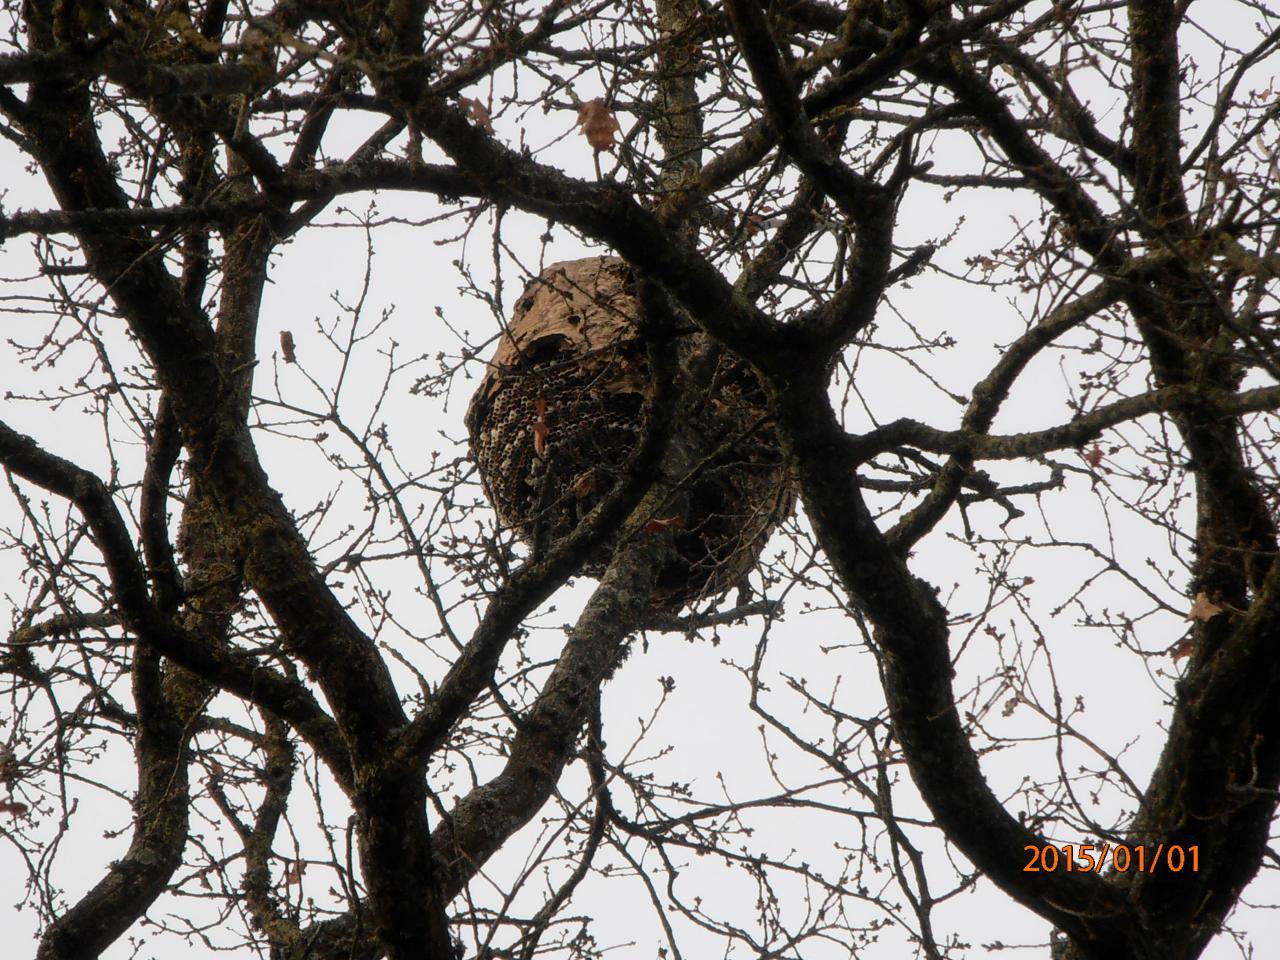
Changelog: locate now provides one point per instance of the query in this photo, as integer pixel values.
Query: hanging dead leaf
(598, 124)
(286, 347)
(295, 871)
(658, 524)
(1182, 648)
(13, 808)
(1010, 705)
(1094, 456)
(1203, 609)
(479, 113)
(584, 484)
(540, 429)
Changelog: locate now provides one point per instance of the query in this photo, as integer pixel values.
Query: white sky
(714, 738)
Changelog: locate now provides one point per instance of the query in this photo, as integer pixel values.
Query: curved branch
(485, 818)
(206, 398)
(912, 628)
(853, 192)
(161, 808)
(230, 670)
(535, 580)
(1078, 431)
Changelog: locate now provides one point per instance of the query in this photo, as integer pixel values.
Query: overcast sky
(715, 739)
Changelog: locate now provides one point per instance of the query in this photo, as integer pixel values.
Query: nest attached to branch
(562, 406)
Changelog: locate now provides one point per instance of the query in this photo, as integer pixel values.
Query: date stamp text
(1122, 857)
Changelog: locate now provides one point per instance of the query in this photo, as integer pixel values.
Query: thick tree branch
(912, 629)
(1074, 433)
(133, 882)
(535, 580)
(1155, 109)
(988, 396)
(853, 192)
(205, 398)
(487, 816)
(230, 670)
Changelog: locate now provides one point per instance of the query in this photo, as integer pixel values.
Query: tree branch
(230, 670)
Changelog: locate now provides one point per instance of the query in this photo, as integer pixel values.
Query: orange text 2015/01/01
(1089, 857)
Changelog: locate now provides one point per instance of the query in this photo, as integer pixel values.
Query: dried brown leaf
(540, 429)
(584, 484)
(1203, 609)
(658, 524)
(598, 124)
(479, 113)
(286, 347)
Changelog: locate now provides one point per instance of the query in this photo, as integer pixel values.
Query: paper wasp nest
(561, 406)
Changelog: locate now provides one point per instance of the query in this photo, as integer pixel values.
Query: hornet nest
(562, 405)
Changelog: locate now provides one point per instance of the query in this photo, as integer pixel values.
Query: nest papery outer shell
(587, 305)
